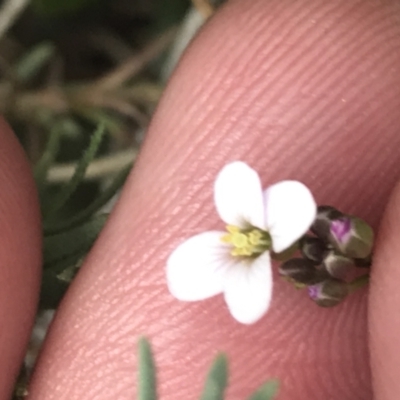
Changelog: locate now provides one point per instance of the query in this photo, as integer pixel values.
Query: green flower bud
(337, 265)
(313, 249)
(328, 293)
(303, 271)
(322, 224)
(352, 236)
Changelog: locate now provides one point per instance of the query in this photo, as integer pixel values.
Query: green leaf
(85, 214)
(33, 60)
(79, 174)
(217, 379)
(266, 392)
(60, 250)
(48, 156)
(147, 386)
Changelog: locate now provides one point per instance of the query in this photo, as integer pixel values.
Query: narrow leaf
(79, 173)
(267, 391)
(72, 243)
(85, 214)
(147, 386)
(217, 380)
(32, 61)
(48, 156)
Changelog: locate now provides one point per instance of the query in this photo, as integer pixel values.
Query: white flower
(237, 263)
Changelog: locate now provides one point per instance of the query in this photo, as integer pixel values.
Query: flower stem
(358, 283)
(286, 254)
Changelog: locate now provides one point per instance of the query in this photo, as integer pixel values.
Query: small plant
(215, 384)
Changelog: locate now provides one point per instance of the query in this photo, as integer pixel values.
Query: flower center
(247, 242)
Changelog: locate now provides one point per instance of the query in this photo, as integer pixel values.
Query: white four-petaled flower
(237, 263)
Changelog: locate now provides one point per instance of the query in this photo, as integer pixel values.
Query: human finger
(300, 90)
(20, 256)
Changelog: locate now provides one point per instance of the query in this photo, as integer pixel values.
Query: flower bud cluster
(338, 244)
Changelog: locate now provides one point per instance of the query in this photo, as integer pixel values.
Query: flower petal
(248, 289)
(290, 209)
(238, 196)
(196, 267)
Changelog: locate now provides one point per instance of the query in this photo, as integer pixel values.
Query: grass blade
(147, 386)
(266, 392)
(79, 173)
(31, 62)
(72, 243)
(217, 380)
(48, 156)
(85, 214)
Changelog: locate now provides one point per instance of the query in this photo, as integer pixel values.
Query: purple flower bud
(314, 292)
(322, 224)
(352, 237)
(341, 230)
(328, 293)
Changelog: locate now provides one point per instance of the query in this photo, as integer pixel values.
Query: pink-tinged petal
(195, 269)
(248, 289)
(341, 230)
(239, 197)
(290, 209)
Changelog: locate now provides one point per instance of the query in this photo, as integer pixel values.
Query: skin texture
(19, 256)
(306, 90)
(384, 317)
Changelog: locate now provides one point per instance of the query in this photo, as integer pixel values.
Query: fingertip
(299, 90)
(20, 254)
(384, 302)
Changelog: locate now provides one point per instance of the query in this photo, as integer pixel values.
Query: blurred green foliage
(53, 65)
(169, 12)
(61, 6)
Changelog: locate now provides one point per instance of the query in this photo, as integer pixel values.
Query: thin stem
(286, 254)
(136, 63)
(49, 154)
(358, 283)
(99, 168)
(62, 99)
(78, 174)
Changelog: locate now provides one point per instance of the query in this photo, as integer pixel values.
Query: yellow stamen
(240, 240)
(232, 229)
(247, 242)
(255, 237)
(226, 238)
